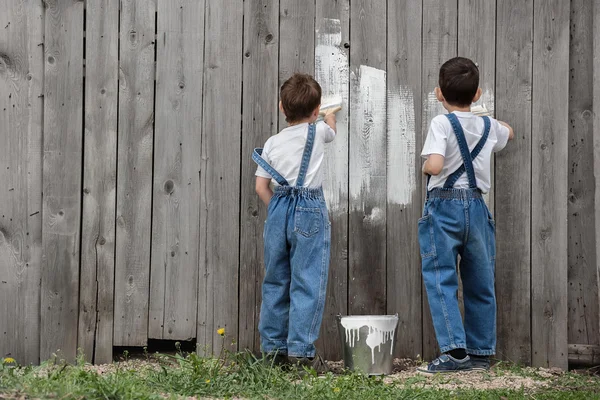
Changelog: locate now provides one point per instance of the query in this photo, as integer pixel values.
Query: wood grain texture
(404, 202)
(440, 40)
(21, 119)
(332, 73)
(549, 184)
(63, 101)
(514, 57)
(176, 192)
(259, 121)
(367, 187)
(95, 335)
(134, 171)
(477, 41)
(583, 302)
(296, 41)
(596, 138)
(220, 176)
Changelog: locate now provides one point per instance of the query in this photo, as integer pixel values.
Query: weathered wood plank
(21, 118)
(134, 171)
(332, 73)
(63, 100)
(477, 41)
(440, 43)
(220, 177)
(259, 121)
(583, 301)
(176, 193)
(513, 181)
(596, 138)
(95, 336)
(404, 203)
(367, 245)
(584, 354)
(296, 41)
(549, 183)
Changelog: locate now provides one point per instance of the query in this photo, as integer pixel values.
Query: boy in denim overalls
(297, 230)
(456, 221)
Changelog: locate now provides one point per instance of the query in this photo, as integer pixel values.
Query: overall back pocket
(308, 221)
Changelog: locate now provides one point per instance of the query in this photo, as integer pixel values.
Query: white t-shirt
(442, 140)
(284, 153)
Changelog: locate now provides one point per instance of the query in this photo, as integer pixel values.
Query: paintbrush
(480, 110)
(330, 104)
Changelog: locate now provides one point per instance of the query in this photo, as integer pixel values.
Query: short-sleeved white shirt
(284, 153)
(442, 140)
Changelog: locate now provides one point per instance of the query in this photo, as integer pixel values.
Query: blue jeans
(297, 241)
(458, 222)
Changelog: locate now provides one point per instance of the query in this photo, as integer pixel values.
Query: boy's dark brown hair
(459, 81)
(300, 95)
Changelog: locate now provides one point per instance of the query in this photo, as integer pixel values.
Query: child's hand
(330, 111)
(329, 117)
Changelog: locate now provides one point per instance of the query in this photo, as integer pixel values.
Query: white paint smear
(401, 178)
(332, 73)
(382, 328)
(369, 118)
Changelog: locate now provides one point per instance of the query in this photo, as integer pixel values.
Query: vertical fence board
(549, 183)
(176, 191)
(403, 172)
(220, 181)
(367, 245)
(596, 137)
(477, 41)
(259, 121)
(513, 181)
(95, 337)
(332, 72)
(21, 108)
(440, 33)
(584, 314)
(63, 99)
(134, 171)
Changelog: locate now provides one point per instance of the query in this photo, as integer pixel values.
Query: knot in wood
(346, 45)
(169, 186)
(181, 85)
(132, 36)
(269, 38)
(102, 91)
(543, 146)
(51, 60)
(86, 191)
(255, 213)
(61, 213)
(545, 234)
(247, 54)
(102, 241)
(586, 114)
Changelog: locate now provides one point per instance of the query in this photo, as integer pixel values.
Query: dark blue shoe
(445, 364)
(480, 363)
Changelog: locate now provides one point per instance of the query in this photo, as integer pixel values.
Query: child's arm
(329, 117)
(434, 164)
(263, 190)
(511, 133)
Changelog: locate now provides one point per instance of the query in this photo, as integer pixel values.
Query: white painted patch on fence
(332, 73)
(401, 179)
(368, 115)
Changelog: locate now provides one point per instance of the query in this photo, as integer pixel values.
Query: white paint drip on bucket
(381, 330)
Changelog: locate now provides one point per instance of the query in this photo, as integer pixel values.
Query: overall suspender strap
(256, 156)
(308, 148)
(467, 156)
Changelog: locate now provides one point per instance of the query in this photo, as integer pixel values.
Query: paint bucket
(368, 342)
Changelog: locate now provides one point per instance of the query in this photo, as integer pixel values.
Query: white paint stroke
(368, 116)
(401, 148)
(332, 73)
(382, 328)
(487, 99)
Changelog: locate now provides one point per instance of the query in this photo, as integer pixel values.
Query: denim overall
(458, 222)
(297, 239)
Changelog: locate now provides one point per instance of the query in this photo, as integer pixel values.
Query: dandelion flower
(336, 390)
(221, 331)
(9, 360)
(208, 381)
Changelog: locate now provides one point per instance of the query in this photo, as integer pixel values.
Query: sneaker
(316, 364)
(446, 363)
(480, 363)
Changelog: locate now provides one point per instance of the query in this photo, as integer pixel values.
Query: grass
(241, 375)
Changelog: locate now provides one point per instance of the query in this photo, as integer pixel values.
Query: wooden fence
(127, 202)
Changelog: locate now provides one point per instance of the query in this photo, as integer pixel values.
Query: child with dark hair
(456, 221)
(297, 230)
